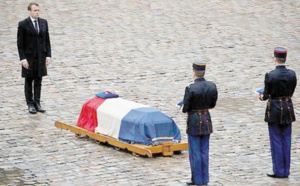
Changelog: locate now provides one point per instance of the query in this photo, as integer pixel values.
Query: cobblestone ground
(143, 51)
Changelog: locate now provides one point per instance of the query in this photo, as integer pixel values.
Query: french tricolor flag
(127, 121)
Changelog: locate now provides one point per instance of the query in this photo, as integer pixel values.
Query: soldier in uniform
(199, 97)
(279, 89)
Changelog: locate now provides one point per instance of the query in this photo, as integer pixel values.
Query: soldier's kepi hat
(280, 52)
(199, 65)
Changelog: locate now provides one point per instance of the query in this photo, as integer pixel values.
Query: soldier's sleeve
(267, 87)
(186, 100)
(294, 83)
(215, 98)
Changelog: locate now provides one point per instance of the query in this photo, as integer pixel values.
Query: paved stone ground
(143, 51)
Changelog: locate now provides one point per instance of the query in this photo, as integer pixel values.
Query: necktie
(36, 26)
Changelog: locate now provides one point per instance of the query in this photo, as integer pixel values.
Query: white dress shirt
(32, 20)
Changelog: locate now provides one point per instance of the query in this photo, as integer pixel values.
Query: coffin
(128, 121)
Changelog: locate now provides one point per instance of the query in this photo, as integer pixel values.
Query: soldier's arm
(294, 83)
(186, 100)
(267, 88)
(215, 98)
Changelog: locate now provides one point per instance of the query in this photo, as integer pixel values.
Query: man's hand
(25, 64)
(48, 60)
(260, 97)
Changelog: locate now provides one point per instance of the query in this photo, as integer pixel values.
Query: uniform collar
(280, 66)
(200, 79)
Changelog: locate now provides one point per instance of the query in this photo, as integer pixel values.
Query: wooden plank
(166, 148)
(104, 139)
(183, 145)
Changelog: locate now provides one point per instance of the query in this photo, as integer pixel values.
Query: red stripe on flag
(88, 116)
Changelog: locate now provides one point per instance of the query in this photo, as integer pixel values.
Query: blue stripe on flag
(141, 125)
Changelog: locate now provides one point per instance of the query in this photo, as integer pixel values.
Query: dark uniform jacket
(34, 47)
(279, 88)
(198, 98)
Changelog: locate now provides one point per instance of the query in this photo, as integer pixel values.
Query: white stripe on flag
(110, 114)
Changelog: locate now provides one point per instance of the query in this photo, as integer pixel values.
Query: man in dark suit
(199, 97)
(279, 87)
(35, 54)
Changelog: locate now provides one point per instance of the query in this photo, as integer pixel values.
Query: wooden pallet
(166, 148)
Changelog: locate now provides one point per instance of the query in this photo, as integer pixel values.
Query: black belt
(282, 98)
(199, 111)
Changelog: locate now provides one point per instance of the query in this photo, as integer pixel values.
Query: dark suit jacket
(198, 98)
(280, 85)
(34, 47)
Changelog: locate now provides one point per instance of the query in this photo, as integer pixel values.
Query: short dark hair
(280, 60)
(199, 73)
(30, 5)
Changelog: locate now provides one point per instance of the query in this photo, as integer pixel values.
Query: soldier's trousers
(280, 142)
(199, 158)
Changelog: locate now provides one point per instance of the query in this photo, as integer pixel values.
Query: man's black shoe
(190, 183)
(39, 108)
(31, 109)
(275, 176)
